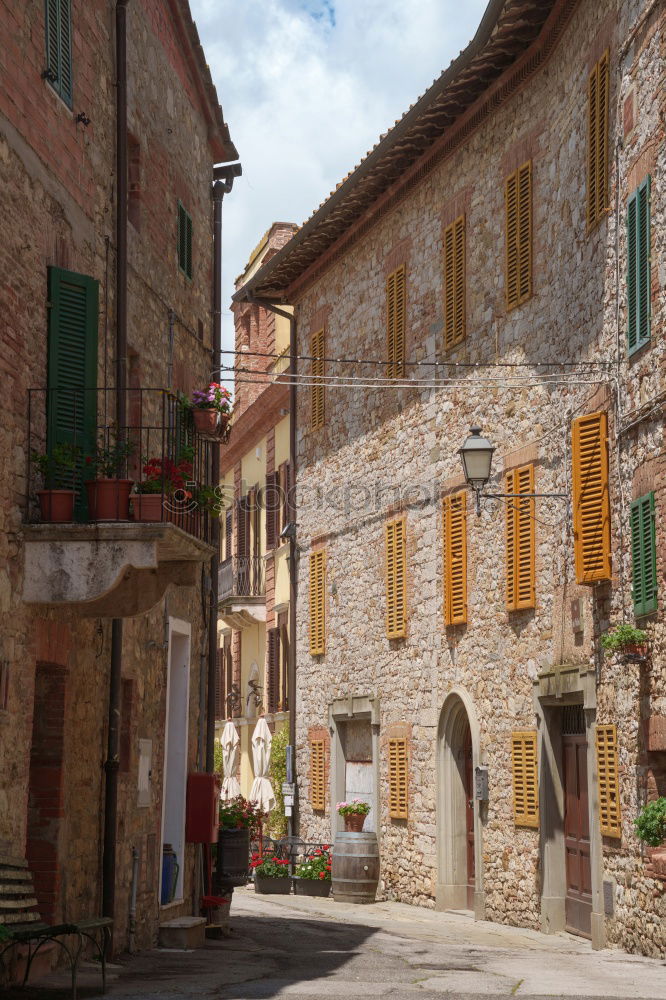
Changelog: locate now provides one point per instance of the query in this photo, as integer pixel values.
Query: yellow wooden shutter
(317, 602)
(454, 520)
(591, 504)
(396, 580)
(395, 323)
(398, 798)
(317, 389)
(318, 774)
(609, 789)
(518, 203)
(597, 141)
(520, 549)
(454, 283)
(525, 778)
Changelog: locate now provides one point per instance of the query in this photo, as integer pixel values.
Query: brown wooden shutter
(597, 141)
(243, 528)
(272, 509)
(273, 669)
(454, 519)
(228, 534)
(317, 602)
(396, 579)
(395, 323)
(283, 625)
(318, 775)
(591, 503)
(398, 783)
(454, 283)
(525, 778)
(284, 473)
(520, 546)
(518, 198)
(228, 676)
(317, 416)
(608, 779)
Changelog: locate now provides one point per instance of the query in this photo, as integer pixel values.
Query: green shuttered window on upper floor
(58, 70)
(644, 555)
(638, 267)
(184, 241)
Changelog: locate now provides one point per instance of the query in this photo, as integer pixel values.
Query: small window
(58, 70)
(184, 241)
(396, 579)
(591, 502)
(597, 142)
(638, 267)
(398, 795)
(317, 602)
(610, 815)
(454, 519)
(318, 775)
(520, 547)
(518, 198)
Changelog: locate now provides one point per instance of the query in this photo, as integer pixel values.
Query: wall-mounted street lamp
(477, 459)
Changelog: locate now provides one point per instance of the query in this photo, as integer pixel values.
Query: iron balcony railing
(159, 451)
(241, 576)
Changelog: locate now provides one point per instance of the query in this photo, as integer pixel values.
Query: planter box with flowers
(239, 820)
(353, 814)
(211, 411)
(109, 493)
(627, 641)
(313, 875)
(152, 499)
(56, 467)
(271, 874)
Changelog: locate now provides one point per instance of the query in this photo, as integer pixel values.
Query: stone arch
(458, 715)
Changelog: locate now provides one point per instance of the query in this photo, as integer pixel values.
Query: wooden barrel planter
(233, 854)
(355, 867)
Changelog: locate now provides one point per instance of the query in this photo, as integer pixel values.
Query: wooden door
(578, 903)
(469, 815)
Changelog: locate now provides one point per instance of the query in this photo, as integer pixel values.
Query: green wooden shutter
(638, 267)
(644, 555)
(184, 240)
(71, 405)
(58, 19)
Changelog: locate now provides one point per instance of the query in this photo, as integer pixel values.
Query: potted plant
(313, 875)
(163, 477)
(627, 640)
(354, 814)
(239, 819)
(651, 829)
(211, 409)
(108, 493)
(271, 874)
(55, 503)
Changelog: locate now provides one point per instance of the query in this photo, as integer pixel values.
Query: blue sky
(307, 87)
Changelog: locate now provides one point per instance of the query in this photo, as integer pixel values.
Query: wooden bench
(20, 918)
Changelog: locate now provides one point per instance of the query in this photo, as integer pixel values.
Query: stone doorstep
(183, 933)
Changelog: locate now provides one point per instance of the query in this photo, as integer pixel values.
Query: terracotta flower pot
(108, 499)
(354, 822)
(206, 422)
(635, 649)
(56, 506)
(148, 507)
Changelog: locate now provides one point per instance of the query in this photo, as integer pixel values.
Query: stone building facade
(475, 270)
(59, 186)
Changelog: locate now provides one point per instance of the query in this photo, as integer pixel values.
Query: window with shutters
(454, 283)
(525, 778)
(272, 503)
(644, 555)
(454, 520)
(395, 323)
(273, 669)
(396, 579)
(520, 575)
(283, 626)
(591, 503)
(184, 241)
(228, 533)
(284, 479)
(398, 785)
(608, 781)
(518, 203)
(58, 70)
(317, 602)
(597, 141)
(638, 267)
(318, 775)
(317, 415)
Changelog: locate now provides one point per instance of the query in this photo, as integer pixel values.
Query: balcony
(242, 591)
(116, 559)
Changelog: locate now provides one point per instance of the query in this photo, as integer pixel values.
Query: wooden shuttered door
(608, 781)
(520, 549)
(59, 47)
(638, 267)
(273, 669)
(317, 602)
(518, 198)
(597, 141)
(318, 415)
(454, 283)
(396, 579)
(395, 323)
(525, 778)
(318, 775)
(454, 521)
(272, 509)
(591, 503)
(398, 784)
(644, 555)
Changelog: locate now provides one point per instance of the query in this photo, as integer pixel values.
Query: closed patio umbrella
(262, 790)
(230, 741)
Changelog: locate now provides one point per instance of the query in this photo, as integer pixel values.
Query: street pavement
(288, 946)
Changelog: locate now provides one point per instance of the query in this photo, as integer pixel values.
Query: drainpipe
(111, 764)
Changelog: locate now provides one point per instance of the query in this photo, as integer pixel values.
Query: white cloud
(307, 87)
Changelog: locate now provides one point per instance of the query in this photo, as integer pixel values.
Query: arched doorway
(458, 823)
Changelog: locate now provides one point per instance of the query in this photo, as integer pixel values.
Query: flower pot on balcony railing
(153, 497)
(211, 411)
(109, 493)
(56, 502)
